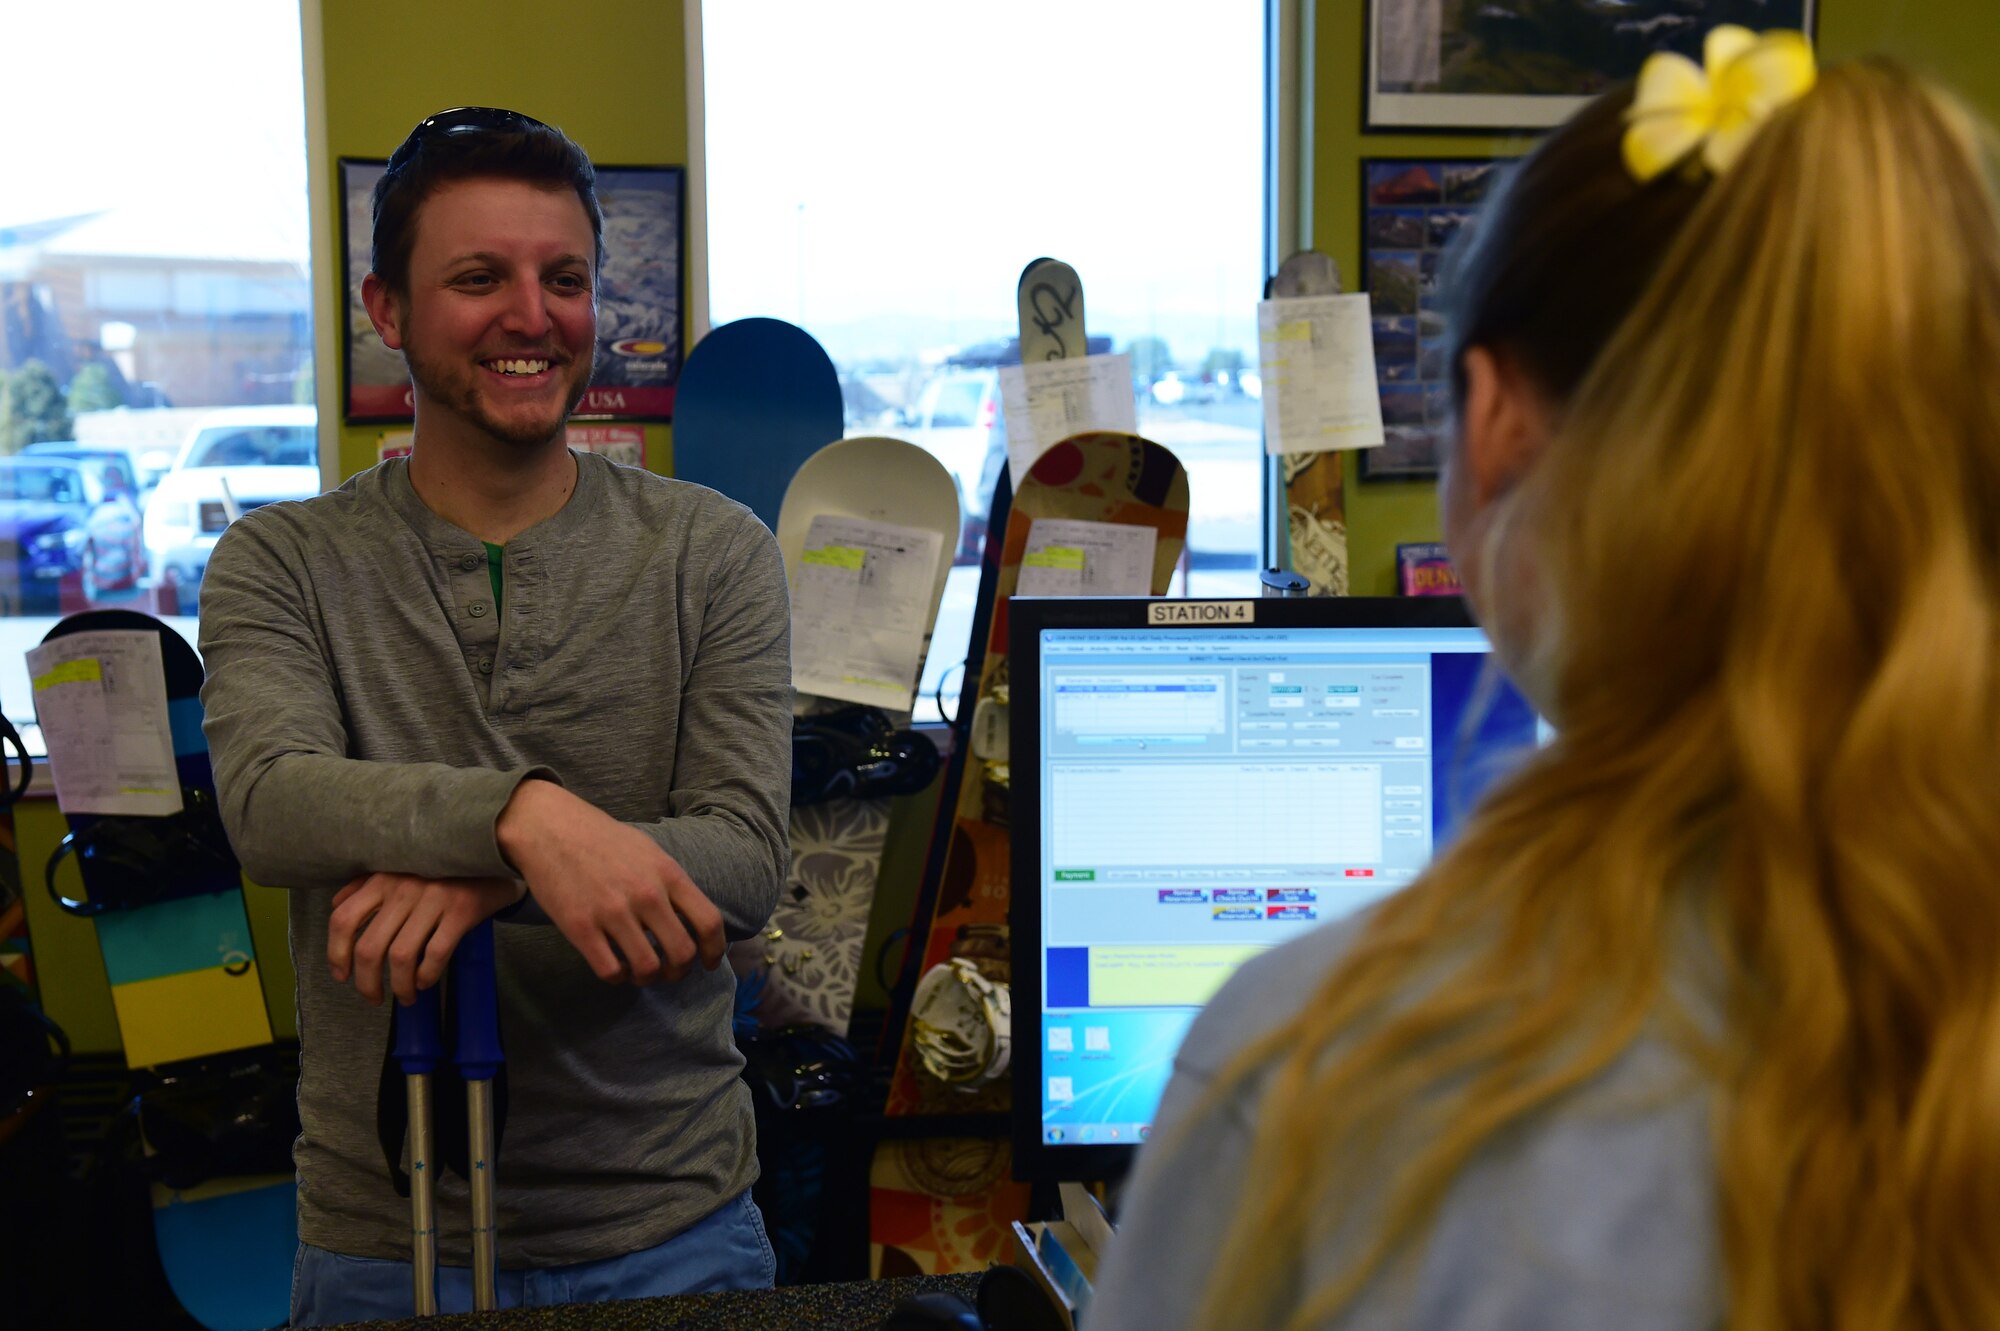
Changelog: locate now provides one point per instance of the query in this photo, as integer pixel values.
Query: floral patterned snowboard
(1098, 477)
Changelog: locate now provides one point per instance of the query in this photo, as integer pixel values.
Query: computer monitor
(1193, 782)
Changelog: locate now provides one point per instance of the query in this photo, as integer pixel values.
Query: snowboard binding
(855, 753)
(129, 862)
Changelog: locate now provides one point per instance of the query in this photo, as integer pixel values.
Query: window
(273, 446)
(42, 485)
(956, 401)
(141, 290)
(945, 147)
(154, 283)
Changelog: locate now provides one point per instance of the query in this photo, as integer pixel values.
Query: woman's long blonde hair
(1763, 557)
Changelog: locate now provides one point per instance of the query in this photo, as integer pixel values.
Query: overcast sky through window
(903, 167)
(185, 111)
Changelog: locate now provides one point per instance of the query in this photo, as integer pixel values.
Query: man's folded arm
(731, 802)
(300, 812)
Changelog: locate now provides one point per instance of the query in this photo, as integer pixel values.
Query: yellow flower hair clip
(1679, 106)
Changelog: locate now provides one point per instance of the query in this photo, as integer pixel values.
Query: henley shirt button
(485, 665)
(477, 609)
(469, 563)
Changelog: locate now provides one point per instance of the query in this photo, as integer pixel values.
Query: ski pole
(479, 1058)
(419, 1049)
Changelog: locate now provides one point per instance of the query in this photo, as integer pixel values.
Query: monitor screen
(1190, 786)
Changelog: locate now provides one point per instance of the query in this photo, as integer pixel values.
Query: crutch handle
(476, 992)
(419, 1035)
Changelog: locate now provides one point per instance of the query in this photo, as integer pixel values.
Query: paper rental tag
(1069, 557)
(861, 607)
(1046, 402)
(101, 701)
(1317, 358)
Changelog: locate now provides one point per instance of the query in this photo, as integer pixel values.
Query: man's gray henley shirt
(369, 707)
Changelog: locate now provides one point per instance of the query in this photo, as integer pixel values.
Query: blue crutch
(419, 1048)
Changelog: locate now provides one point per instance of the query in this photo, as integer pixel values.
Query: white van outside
(234, 459)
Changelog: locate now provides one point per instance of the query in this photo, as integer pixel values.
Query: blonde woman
(1697, 1024)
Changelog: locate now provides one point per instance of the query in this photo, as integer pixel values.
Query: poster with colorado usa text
(640, 299)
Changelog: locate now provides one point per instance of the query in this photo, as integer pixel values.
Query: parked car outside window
(233, 460)
(117, 465)
(58, 518)
(957, 420)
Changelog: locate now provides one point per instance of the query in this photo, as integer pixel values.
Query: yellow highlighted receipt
(87, 671)
(1166, 975)
(837, 556)
(1055, 556)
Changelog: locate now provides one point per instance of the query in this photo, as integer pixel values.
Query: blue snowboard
(757, 397)
(166, 895)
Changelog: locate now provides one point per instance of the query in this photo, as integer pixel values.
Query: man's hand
(608, 886)
(412, 923)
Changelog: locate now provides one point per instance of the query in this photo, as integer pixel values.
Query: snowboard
(1048, 299)
(17, 772)
(1050, 309)
(1315, 502)
(940, 1204)
(166, 894)
(806, 963)
(959, 724)
(1098, 477)
(1050, 296)
(757, 398)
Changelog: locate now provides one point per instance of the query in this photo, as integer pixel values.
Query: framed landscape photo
(641, 296)
(1529, 64)
(375, 384)
(1412, 207)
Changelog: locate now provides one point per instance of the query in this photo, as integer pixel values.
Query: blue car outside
(57, 518)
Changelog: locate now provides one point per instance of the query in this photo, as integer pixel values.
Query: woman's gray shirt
(1597, 1213)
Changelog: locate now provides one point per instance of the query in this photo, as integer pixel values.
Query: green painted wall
(611, 73)
(1954, 39)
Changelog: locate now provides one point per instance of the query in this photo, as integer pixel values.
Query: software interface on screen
(1208, 793)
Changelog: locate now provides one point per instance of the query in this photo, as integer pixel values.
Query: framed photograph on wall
(1470, 65)
(641, 296)
(1411, 209)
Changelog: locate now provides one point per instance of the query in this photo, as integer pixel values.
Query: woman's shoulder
(1597, 1203)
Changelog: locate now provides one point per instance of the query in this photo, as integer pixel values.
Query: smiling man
(502, 678)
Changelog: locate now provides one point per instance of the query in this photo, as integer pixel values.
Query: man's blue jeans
(726, 1250)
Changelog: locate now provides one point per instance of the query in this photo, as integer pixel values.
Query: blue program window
(1208, 794)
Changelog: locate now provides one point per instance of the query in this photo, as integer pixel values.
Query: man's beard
(463, 398)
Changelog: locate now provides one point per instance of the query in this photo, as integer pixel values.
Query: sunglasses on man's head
(460, 120)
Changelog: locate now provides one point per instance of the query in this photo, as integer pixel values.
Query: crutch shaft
(419, 1048)
(478, 1056)
(479, 1118)
(423, 1203)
